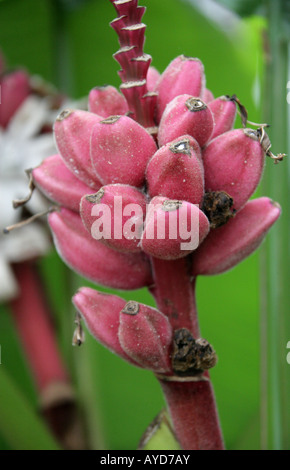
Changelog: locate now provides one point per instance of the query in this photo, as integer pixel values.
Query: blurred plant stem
(275, 259)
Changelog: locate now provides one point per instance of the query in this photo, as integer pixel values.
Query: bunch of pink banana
(165, 145)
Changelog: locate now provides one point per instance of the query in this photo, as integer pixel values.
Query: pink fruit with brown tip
(176, 171)
(234, 162)
(186, 114)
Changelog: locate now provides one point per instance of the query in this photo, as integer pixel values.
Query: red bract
(169, 143)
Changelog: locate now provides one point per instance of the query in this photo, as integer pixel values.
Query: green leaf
(19, 425)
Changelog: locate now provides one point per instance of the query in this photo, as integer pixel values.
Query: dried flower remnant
(190, 357)
(165, 141)
(217, 206)
(78, 335)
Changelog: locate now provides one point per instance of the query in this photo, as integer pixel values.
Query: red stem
(174, 292)
(193, 413)
(191, 403)
(33, 322)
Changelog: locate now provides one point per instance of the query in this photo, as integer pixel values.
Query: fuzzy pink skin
(224, 112)
(72, 131)
(92, 259)
(183, 75)
(178, 120)
(230, 244)
(33, 322)
(146, 337)
(107, 101)
(58, 183)
(15, 89)
(116, 197)
(168, 247)
(101, 313)
(120, 151)
(176, 173)
(153, 77)
(233, 162)
(207, 96)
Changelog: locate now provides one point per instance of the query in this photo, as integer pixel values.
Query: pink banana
(107, 101)
(176, 171)
(186, 114)
(233, 162)
(92, 259)
(173, 229)
(227, 246)
(145, 334)
(184, 75)
(120, 150)
(72, 131)
(58, 183)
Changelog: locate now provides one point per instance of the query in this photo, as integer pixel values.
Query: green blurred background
(71, 45)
